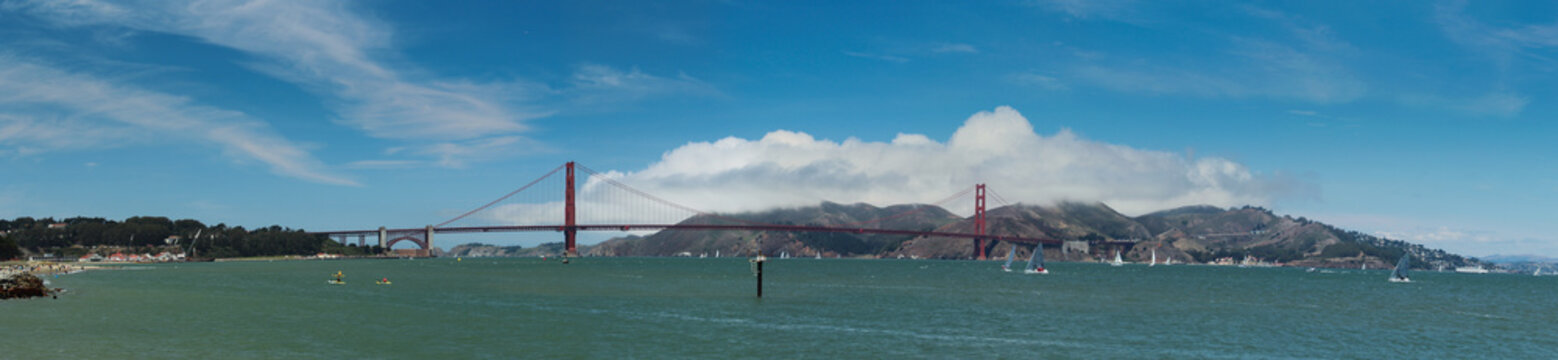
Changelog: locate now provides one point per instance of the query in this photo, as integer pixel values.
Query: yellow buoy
(458, 259)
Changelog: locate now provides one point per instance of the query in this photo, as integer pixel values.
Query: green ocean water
(706, 308)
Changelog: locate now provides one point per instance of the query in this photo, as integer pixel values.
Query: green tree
(9, 249)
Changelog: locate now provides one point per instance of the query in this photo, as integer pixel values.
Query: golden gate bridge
(571, 226)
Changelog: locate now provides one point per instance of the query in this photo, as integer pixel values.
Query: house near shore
(117, 257)
(90, 258)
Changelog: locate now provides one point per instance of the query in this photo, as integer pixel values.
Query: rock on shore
(21, 286)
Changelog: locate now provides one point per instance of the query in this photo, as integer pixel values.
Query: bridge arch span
(413, 239)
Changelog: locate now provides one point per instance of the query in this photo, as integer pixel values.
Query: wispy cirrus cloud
(955, 48)
(1037, 80)
(1501, 44)
(874, 56)
(1305, 63)
(1117, 10)
(44, 108)
(595, 84)
(332, 50)
(1496, 104)
(328, 48)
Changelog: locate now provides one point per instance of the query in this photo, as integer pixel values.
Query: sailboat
(1538, 271)
(1117, 260)
(1400, 273)
(784, 254)
(1168, 260)
(1009, 255)
(1036, 262)
(1154, 261)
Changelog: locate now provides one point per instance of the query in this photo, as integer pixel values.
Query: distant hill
(1510, 259)
(729, 243)
(1194, 234)
(485, 250)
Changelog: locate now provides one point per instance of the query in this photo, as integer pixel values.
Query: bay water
(830, 308)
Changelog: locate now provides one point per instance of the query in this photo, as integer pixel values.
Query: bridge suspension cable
(504, 197)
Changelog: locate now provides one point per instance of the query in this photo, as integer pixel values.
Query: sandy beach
(39, 269)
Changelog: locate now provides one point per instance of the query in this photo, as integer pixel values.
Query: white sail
(1036, 262)
(1117, 260)
(1010, 254)
(1154, 261)
(1400, 273)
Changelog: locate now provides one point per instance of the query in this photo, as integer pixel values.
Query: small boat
(1154, 261)
(1400, 273)
(384, 281)
(1117, 260)
(337, 279)
(1009, 255)
(819, 255)
(1036, 262)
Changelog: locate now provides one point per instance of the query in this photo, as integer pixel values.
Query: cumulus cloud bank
(999, 148)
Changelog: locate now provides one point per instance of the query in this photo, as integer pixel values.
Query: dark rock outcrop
(21, 286)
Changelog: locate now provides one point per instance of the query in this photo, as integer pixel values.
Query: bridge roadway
(792, 228)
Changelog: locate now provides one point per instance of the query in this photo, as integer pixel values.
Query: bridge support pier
(979, 221)
(383, 237)
(570, 227)
(429, 241)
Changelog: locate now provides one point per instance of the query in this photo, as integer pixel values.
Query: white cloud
(1037, 80)
(325, 47)
(1502, 45)
(47, 109)
(1258, 69)
(1498, 104)
(594, 84)
(788, 168)
(1118, 10)
(888, 58)
(956, 48)
(330, 49)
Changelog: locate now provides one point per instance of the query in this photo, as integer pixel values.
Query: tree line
(77, 236)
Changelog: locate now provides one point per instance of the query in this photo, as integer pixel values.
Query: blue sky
(1422, 121)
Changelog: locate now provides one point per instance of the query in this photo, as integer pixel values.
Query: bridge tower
(979, 221)
(570, 227)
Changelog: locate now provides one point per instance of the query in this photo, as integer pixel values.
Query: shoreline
(41, 268)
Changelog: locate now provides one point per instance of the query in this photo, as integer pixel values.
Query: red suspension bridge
(571, 226)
